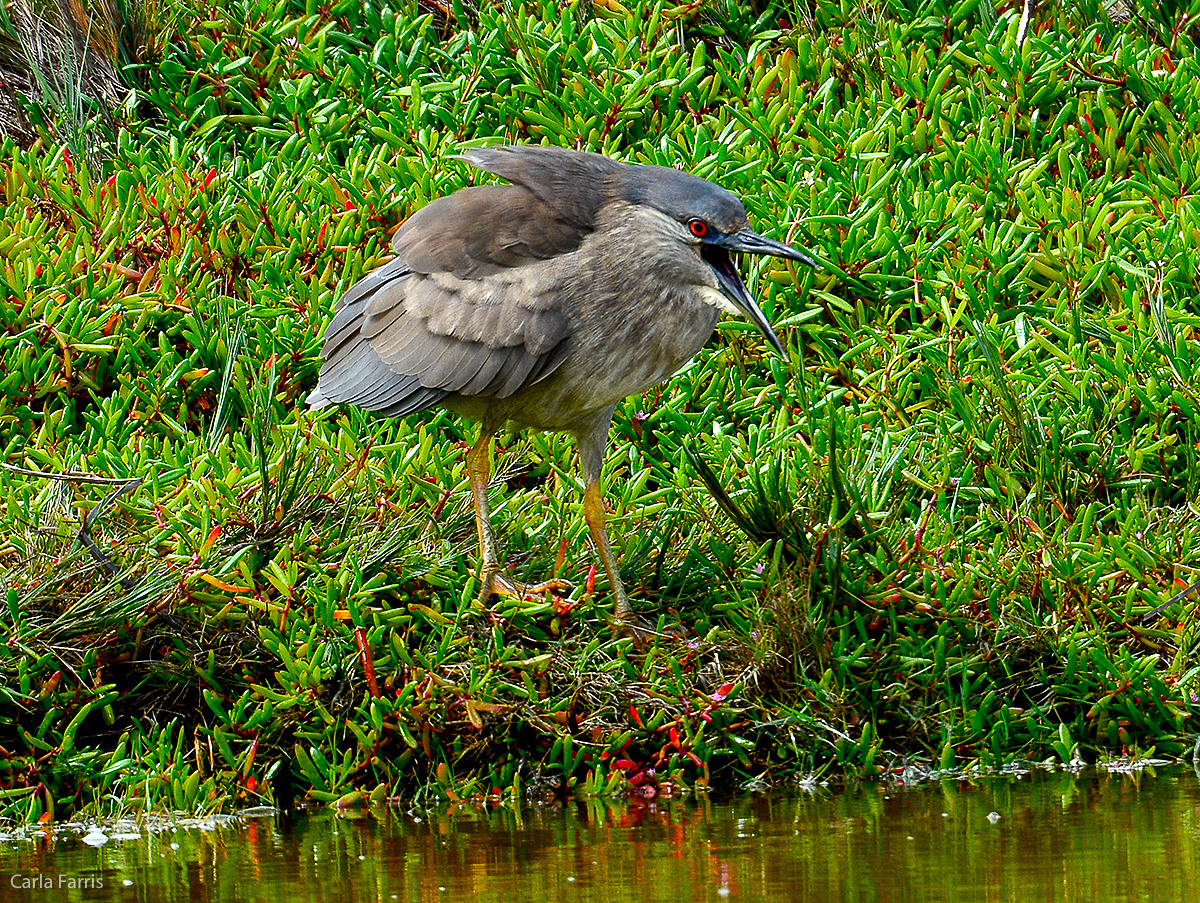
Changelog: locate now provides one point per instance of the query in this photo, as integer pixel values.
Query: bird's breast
(619, 349)
(632, 321)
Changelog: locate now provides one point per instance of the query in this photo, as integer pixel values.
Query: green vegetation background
(933, 532)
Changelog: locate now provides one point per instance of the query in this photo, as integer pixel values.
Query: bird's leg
(625, 621)
(593, 513)
(491, 572)
(591, 442)
(479, 471)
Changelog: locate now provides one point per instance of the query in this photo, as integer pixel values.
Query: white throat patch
(717, 299)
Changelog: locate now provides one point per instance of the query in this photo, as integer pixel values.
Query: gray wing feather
(343, 327)
(355, 374)
(456, 366)
(347, 320)
(571, 185)
(415, 401)
(478, 384)
(341, 370)
(467, 305)
(411, 348)
(477, 232)
(384, 308)
(548, 363)
(512, 374)
(383, 388)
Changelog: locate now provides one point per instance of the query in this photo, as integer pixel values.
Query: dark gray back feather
(476, 232)
(572, 185)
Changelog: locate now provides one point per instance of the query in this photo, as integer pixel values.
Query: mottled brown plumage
(543, 303)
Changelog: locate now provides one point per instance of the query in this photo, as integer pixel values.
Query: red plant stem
(360, 634)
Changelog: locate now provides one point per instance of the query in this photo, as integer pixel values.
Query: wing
(471, 305)
(479, 231)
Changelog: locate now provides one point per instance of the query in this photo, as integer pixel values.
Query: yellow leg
(593, 513)
(491, 573)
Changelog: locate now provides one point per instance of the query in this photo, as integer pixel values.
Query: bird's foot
(643, 633)
(497, 583)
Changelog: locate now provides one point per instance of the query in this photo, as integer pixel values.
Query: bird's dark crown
(683, 197)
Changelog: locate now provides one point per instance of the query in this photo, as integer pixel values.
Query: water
(1040, 837)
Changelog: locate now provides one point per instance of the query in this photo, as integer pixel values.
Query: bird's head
(713, 222)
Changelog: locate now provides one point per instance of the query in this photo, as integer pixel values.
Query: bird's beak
(749, 242)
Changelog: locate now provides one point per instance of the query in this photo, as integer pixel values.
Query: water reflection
(1050, 837)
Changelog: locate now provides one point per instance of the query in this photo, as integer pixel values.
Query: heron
(542, 304)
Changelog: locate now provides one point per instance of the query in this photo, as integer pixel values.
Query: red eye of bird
(699, 227)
